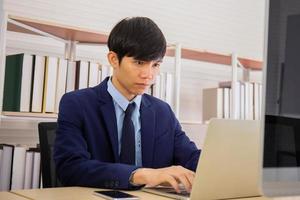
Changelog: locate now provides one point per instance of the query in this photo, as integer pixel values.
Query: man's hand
(170, 175)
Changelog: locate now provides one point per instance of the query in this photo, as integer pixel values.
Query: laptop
(229, 165)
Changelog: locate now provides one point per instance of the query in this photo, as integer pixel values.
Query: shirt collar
(119, 98)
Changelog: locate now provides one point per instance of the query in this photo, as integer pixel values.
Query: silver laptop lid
(230, 162)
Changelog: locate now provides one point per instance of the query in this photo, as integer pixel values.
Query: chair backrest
(47, 133)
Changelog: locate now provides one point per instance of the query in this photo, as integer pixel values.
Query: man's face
(133, 77)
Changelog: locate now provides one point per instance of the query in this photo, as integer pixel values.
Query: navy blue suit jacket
(86, 145)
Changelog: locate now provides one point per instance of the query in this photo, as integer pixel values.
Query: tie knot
(130, 109)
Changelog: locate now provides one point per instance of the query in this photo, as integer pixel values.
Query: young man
(113, 135)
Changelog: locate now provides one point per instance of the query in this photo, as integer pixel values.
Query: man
(113, 135)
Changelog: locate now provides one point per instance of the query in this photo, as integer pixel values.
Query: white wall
(218, 26)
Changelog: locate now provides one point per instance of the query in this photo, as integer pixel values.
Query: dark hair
(137, 37)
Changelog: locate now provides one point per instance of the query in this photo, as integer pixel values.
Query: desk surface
(10, 196)
(79, 193)
(75, 193)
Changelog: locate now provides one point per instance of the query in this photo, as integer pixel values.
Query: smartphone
(115, 195)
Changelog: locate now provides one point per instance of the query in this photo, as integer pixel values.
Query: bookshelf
(235, 99)
(76, 35)
(65, 34)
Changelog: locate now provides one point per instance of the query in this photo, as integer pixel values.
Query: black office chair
(47, 132)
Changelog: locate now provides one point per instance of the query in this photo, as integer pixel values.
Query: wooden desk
(80, 193)
(10, 196)
(74, 193)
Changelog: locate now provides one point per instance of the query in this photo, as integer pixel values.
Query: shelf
(70, 33)
(59, 30)
(30, 114)
(216, 58)
(96, 37)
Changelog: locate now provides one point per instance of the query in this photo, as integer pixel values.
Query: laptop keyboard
(182, 193)
(169, 190)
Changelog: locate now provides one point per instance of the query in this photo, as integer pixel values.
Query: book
(6, 166)
(26, 83)
(242, 101)
(61, 82)
(36, 170)
(38, 83)
(28, 170)
(18, 169)
(82, 72)
(12, 83)
(235, 100)
(156, 87)
(169, 89)
(226, 103)
(93, 74)
(249, 101)
(50, 84)
(71, 74)
(212, 103)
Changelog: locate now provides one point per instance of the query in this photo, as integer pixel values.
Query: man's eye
(139, 62)
(156, 65)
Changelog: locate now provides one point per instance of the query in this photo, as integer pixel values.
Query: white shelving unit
(56, 32)
(234, 79)
(69, 36)
(72, 36)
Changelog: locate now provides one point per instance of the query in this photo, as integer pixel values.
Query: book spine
(12, 83)
(6, 167)
(26, 82)
(71, 76)
(38, 84)
(61, 82)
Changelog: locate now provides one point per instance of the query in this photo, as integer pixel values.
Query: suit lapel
(108, 114)
(107, 110)
(147, 132)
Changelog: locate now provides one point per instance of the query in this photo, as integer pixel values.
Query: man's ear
(113, 59)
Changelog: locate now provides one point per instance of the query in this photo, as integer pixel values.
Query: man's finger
(182, 178)
(190, 177)
(172, 181)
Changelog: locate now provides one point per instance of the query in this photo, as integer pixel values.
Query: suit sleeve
(74, 166)
(186, 153)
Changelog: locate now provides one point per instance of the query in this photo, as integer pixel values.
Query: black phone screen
(115, 194)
